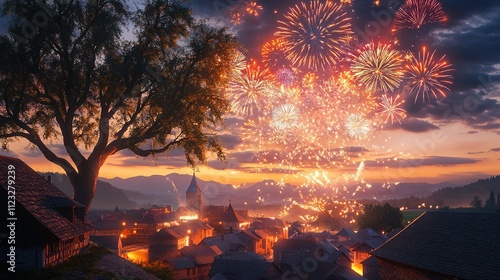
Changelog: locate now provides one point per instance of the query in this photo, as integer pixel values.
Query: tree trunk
(84, 189)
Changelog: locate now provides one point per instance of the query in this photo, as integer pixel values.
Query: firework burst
(391, 108)
(252, 8)
(285, 117)
(285, 76)
(249, 91)
(357, 126)
(254, 132)
(429, 75)
(236, 18)
(273, 54)
(309, 81)
(378, 67)
(314, 34)
(415, 13)
(239, 63)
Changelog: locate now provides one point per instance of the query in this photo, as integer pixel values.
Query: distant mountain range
(170, 190)
(452, 196)
(462, 196)
(106, 196)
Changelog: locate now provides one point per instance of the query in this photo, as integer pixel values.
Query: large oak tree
(102, 77)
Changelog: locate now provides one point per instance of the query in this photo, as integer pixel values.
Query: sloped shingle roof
(225, 242)
(182, 263)
(165, 234)
(42, 199)
(231, 216)
(459, 244)
(241, 266)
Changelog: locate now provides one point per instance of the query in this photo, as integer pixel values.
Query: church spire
(193, 186)
(193, 195)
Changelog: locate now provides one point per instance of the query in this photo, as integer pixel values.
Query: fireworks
(253, 132)
(391, 108)
(309, 80)
(378, 67)
(415, 13)
(285, 117)
(319, 91)
(239, 9)
(285, 76)
(429, 75)
(273, 54)
(357, 126)
(253, 9)
(314, 34)
(286, 94)
(239, 63)
(248, 92)
(236, 18)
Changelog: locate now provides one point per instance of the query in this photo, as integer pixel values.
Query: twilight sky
(453, 138)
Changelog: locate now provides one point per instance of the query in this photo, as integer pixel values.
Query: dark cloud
(425, 161)
(413, 125)
(230, 141)
(352, 149)
(150, 162)
(8, 153)
(472, 132)
(265, 170)
(474, 109)
(493, 150)
(308, 159)
(225, 164)
(34, 152)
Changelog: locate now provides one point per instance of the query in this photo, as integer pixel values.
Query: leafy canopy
(104, 77)
(380, 218)
(79, 78)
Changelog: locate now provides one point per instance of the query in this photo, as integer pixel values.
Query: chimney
(49, 178)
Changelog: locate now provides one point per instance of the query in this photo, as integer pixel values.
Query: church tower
(193, 196)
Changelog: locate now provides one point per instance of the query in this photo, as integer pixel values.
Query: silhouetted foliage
(476, 202)
(411, 202)
(460, 196)
(380, 218)
(327, 221)
(451, 196)
(489, 204)
(75, 75)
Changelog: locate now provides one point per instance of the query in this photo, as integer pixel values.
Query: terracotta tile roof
(42, 200)
(458, 244)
